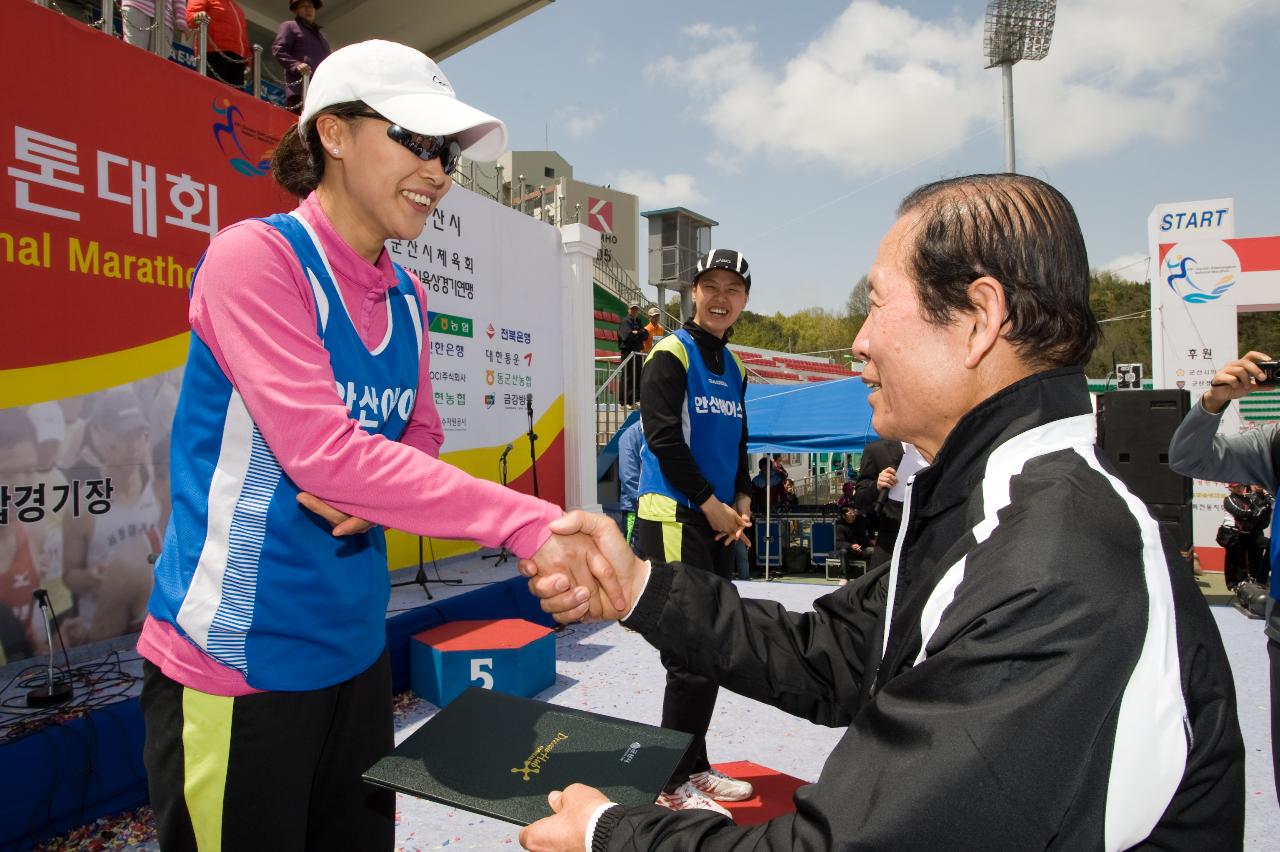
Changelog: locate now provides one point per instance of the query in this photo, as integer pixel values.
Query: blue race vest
(247, 574)
(712, 422)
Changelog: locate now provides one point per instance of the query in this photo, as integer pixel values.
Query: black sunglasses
(427, 148)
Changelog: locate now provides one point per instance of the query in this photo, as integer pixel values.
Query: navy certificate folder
(500, 755)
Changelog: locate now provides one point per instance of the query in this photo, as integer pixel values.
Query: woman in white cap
(267, 687)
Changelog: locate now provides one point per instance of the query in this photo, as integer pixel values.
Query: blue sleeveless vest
(247, 574)
(712, 423)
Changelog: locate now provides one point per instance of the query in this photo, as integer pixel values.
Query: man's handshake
(586, 571)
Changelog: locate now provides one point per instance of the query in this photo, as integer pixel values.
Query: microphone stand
(421, 579)
(533, 439)
(53, 692)
(502, 555)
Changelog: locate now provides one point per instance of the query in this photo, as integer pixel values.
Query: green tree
(1123, 308)
(858, 304)
(1258, 331)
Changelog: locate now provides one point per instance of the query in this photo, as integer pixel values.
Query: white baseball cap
(404, 86)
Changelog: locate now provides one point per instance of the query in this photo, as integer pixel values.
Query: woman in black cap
(695, 490)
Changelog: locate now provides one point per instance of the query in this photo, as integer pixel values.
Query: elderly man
(1034, 669)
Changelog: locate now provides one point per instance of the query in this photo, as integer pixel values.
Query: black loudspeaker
(1176, 519)
(1134, 429)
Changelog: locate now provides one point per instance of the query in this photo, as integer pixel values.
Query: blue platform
(70, 774)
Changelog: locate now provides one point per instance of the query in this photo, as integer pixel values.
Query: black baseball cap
(729, 259)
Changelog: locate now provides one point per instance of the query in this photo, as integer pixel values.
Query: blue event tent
(816, 417)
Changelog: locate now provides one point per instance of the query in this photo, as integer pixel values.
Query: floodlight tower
(1015, 30)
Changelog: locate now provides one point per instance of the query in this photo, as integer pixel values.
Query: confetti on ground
(129, 830)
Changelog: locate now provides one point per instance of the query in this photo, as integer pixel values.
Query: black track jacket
(1052, 678)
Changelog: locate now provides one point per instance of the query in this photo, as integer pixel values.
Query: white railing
(614, 392)
(614, 279)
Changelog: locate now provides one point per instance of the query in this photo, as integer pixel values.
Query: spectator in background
(879, 473)
(846, 493)
(228, 38)
(140, 19)
(1263, 558)
(299, 47)
(1247, 515)
(631, 338)
(788, 499)
(630, 453)
(853, 537)
(1254, 456)
(654, 328)
(887, 467)
(779, 466)
(766, 486)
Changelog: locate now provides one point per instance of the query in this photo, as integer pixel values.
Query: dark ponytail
(297, 163)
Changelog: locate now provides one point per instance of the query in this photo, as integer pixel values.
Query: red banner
(119, 167)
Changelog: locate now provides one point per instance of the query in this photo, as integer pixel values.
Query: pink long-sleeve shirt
(255, 311)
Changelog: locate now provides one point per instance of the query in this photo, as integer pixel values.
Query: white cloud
(881, 89)
(705, 30)
(1130, 267)
(674, 190)
(728, 163)
(577, 122)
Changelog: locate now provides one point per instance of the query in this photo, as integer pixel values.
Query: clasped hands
(729, 522)
(585, 571)
(609, 587)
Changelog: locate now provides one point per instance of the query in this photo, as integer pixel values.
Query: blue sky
(800, 126)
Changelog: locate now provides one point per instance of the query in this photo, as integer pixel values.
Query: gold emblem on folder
(533, 763)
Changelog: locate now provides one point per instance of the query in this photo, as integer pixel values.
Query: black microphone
(507, 450)
(882, 497)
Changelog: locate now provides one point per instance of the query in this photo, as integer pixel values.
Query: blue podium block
(509, 655)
